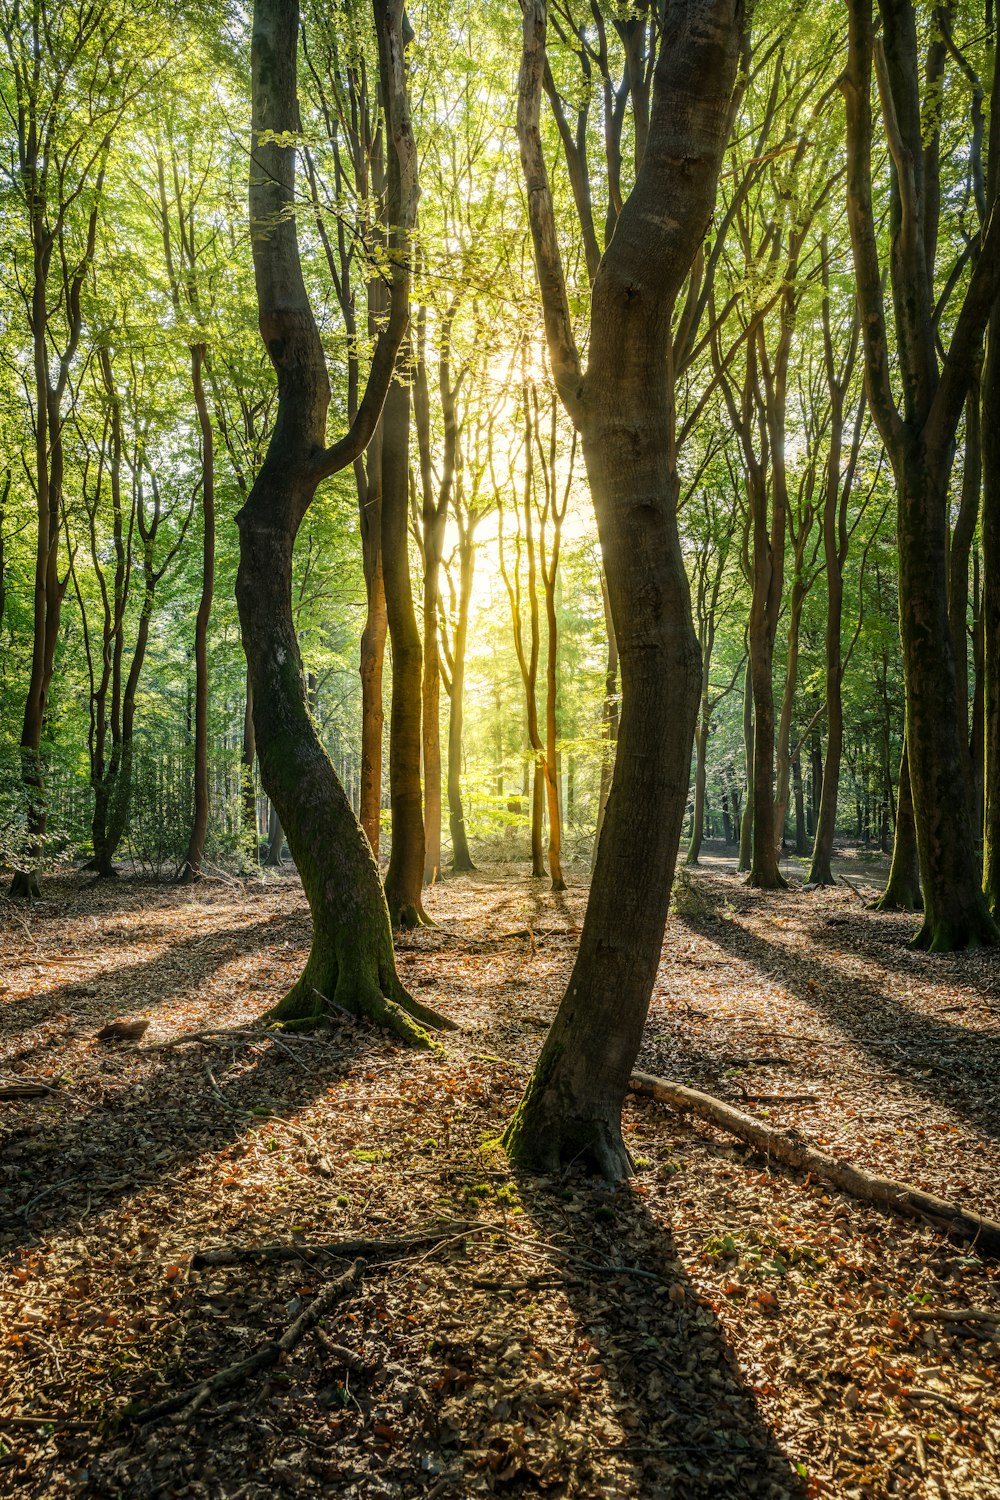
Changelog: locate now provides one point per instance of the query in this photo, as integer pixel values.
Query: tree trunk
(372, 649)
(405, 876)
(571, 1110)
(248, 789)
(902, 892)
(275, 840)
(764, 871)
(801, 838)
(700, 781)
(990, 612)
(351, 963)
(461, 859)
(609, 718)
(783, 753)
(955, 912)
(191, 869)
(959, 556)
(746, 822)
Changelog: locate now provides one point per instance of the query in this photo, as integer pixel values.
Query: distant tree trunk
(247, 757)
(609, 717)
(405, 876)
(959, 556)
(191, 868)
(700, 782)
(351, 962)
(461, 858)
(801, 837)
(275, 840)
(571, 1109)
(746, 823)
(902, 892)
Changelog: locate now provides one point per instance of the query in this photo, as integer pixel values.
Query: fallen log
(792, 1150)
(190, 1400)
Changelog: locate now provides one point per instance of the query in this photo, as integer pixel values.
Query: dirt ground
(717, 1327)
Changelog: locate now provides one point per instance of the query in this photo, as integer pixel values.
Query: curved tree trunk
(571, 1110)
(351, 962)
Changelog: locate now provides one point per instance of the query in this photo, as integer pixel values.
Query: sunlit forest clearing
(499, 749)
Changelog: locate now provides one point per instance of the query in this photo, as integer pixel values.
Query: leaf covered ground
(714, 1328)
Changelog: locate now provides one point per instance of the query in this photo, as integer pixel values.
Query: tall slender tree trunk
(191, 869)
(247, 758)
(405, 876)
(461, 858)
(700, 783)
(746, 822)
(609, 717)
(373, 639)
(990, 611)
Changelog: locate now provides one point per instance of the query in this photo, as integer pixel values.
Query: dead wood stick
(195, 1396)
(239, 1255)
(793, 1151)
(955, 1314)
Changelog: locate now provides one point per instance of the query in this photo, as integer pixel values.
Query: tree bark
(405, 876)
(746, 822)
(609, 718)
(461, 858)
(351, 963)
(571, 1110)
(920, 437)
(191, 869)
(902, 892)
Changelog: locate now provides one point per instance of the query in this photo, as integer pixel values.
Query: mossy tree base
(978, 930)
(553, 1131)
(766, 880)
(363, 988)
(900, 896)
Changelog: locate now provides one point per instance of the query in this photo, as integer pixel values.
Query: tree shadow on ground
(64, 1165)
(946, 1062)
(166, 979)
(694, 1430)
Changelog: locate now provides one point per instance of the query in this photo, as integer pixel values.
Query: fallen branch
(194, 1397)
(793, 1151)
(955, 1314)
(30, 1089)
(240, 1255)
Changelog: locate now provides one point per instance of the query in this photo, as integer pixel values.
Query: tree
(918, 431)
(72, 75)
(351, 962)
(621, 404)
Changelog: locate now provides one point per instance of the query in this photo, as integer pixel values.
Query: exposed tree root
(792, 1151)
(377, 996)
(191, 1400)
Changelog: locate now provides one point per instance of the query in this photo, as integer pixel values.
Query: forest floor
(718, 1327)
